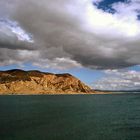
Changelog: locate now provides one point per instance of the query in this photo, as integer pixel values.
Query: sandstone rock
(36, 82)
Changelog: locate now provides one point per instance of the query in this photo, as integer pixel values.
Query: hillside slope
(35, 82)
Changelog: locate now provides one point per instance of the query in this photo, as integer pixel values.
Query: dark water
(70, 117)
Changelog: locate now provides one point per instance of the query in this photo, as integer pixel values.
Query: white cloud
(57, 63)
(119, 80)
(117, 25)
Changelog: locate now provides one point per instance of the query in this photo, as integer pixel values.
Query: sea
(70, 117)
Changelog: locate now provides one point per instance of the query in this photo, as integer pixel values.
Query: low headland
(33, 82)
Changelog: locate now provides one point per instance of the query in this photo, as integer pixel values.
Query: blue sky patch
(106, 5)
(138, 17)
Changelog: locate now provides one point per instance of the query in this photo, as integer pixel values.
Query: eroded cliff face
(36, 82)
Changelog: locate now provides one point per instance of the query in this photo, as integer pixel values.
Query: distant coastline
(118, 91)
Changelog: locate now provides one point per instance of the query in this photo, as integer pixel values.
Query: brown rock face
(36, 82)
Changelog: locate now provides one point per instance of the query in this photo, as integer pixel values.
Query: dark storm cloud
(13, 43)
(71, 31)
(12, 36)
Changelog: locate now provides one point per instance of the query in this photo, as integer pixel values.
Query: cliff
(36, 82)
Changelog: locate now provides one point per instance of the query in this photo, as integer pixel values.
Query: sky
(97, 41)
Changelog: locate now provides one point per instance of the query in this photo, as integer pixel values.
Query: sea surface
(70, 117)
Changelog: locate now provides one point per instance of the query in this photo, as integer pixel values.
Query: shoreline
(53, 94)
(61, 94)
